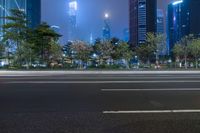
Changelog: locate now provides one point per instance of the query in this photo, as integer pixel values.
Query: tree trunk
(127, 64)
(196, 63)
(185, 62)
(148, 61)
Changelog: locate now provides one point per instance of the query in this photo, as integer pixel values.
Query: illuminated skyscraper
(183, 19)
(142, 19)
(160, 21)
(106, 29)
(72, 21)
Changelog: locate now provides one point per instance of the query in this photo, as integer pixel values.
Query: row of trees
(112, 51)
(22, 44)
(102, 52)
(188, 48)
(151, 50)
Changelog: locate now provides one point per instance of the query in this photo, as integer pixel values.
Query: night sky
(90, 16)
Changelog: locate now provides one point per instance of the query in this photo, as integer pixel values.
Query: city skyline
(87, 22)
(118, 11)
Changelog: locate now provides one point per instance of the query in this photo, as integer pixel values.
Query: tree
(144, 52)
(82, 51)
(55, 51)
(2, 50)
(160, 44)
(151, 42)
(156, 44)
(68, 52)
(114, 41)
(27, 53)
(104, 50)
(15, 31)
(123, 51)
(42, 37)
(178, 52)
(194, 49)
(185, 41)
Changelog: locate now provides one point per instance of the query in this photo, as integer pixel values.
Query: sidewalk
(43, 73)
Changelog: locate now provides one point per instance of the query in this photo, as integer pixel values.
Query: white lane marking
(120, 77)
(126, 90)
(97, 82)
(152, 111)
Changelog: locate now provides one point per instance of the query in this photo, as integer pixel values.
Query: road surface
(100, 103)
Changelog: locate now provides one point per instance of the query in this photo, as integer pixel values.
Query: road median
(38, 73)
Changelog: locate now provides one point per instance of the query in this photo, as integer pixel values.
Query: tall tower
(142, 19)
(183, 19)
(160, 21)
(106, 28)
(72, 21)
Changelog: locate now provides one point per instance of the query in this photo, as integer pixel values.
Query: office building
(160, 21)
(106, 32)
(143, 17)
(183, 19)
(72, 20)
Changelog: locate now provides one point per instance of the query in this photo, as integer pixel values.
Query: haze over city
(90, 16)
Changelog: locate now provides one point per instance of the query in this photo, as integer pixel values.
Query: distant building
(72, 20)
(106, 31)
(160, 21)
(126, 35)
(91, 38)
(183, 19)
(142, 20)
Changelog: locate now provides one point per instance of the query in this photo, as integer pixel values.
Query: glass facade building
(160, 21)
(72, 20)
(183, 19)
(106, 32)
(6, 5)
(142, 19)
(32, 8)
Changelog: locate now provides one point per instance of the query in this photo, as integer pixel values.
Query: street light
(94, 55)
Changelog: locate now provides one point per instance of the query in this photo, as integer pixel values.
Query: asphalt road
(100, 103)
